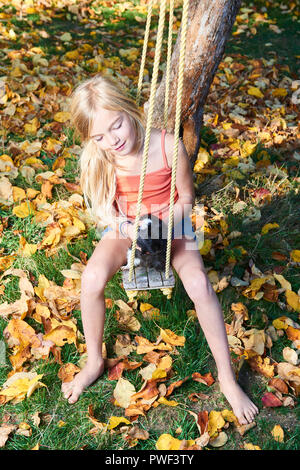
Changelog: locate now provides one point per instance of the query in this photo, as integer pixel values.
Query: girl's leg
(108, 257)
(188, 263)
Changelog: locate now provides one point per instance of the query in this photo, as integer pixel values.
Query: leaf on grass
(295, 255)
(123, 392)
(220, 440)
(279, 385)
(167, 442)
(249, 446)
(171, 338)
(215, 423)
(267, 227)
(206, 379)
(288, 372)
(290, 355)
(254, 340)
(164, 401)
(262, 365)
(19, 386)
(67, 371)
(270, 400)
(175, 385)
(277, 433)
(293, 300)
(114, 421)
(5, 431)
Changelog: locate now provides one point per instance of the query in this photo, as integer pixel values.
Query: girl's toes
(249, 416)
(74, 397)
(242, 420)
(67, 390)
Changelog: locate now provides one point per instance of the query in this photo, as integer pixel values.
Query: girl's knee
(198, 286)
(93, 280)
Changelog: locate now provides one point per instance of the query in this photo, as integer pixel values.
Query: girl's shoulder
(160, 139)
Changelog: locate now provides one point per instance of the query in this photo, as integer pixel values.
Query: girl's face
(114, 131)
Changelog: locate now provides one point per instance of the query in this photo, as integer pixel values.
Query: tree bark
(209, 25)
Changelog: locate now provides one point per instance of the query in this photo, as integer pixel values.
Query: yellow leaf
(62, 116)
(277, 433)
(293, 300)
(224, 226)
(18, 194)
(283, 282)
(19, 386)
(114, 421)
(26, 249)
(24, 210)
(202, 158)
(61, 335)
(144, 307)
(279, 92)
(159, 374)
(254, 91)
(295, 255)
(229, 416)
(72, 55)
(171, 338)
(80, 225)
(249, 446)
(167, 442)
(205, 248)
(165, 363)
(42, 285)
(254, 287)
(164, 401)
(267, 227)
(32, 126)
(215, 422)
(279, 325)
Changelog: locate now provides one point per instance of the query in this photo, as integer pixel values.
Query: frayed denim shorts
(182, 228)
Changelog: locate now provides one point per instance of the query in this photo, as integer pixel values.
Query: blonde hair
(97, 168)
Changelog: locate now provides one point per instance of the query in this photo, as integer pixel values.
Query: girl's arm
(184, 180)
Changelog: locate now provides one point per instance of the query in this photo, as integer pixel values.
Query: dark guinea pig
(151, 243)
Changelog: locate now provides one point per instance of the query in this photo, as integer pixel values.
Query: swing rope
(150, 116)
(145, 45)
(148, 129)
(176, 129)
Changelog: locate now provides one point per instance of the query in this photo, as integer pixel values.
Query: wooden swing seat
(147, 279)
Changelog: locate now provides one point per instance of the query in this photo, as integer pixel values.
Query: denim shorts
(184, 227)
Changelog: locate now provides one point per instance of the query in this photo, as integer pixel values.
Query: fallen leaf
(220, 440)
(290, 355)
(270, 400)
(171, 338)
(123, 392)
(277, 433)
(249, 446)
(67, 371)
(114, 421)
(5, 431)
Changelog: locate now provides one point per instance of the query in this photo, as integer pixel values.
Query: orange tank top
(156, 195)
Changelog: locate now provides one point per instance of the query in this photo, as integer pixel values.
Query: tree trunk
(209, 25)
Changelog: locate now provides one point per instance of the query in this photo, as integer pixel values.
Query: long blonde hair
(97, 168)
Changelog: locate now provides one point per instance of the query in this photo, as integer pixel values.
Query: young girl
(112, 129)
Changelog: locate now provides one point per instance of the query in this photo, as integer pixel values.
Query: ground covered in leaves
(159, 389)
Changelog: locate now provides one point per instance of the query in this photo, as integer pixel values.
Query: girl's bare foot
(91, 371)
(243, 408)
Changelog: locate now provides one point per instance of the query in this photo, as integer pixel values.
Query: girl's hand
(129, 230)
